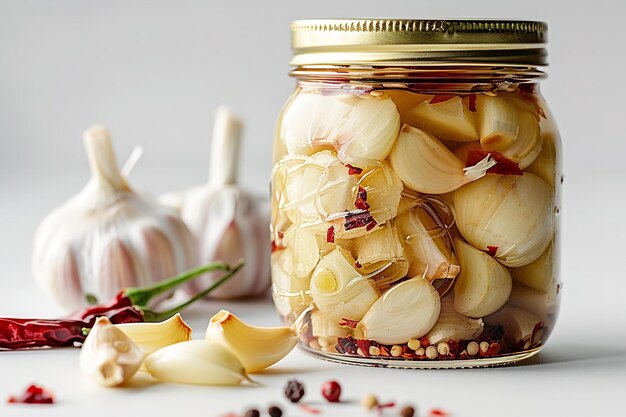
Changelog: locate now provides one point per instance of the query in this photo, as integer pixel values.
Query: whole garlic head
(108, 237)
(108, 356)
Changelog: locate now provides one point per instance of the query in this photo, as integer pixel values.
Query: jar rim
(405, 42)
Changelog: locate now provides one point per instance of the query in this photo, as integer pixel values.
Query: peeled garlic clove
(338, 290)
(325, 247)
(108, 356)
(289, 292)
(314, 187)
(449, 119)
(498, 122)
(406, 101)
(407, 310)
(256, 347)
(199, 362)
(361, 130)
(108, 237)
(544, 166)
(154, 336)
(426, 242)
(324, 326)
(541, 303)
(508, 214)
(382, 188)
(483, 286)
(453, 326)
(539, 274)
(425, 165)
(381, 256)
(521, 326)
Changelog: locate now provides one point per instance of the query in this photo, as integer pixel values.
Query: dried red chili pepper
(352, 170)
(441, 98)
(503, 166)
(33, 395)
(330, 234)
(362, 219)
(361, 199)
(128, 307)
(471, 103)
(492, 250)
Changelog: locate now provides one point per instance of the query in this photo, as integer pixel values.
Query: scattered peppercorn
(331, 390)
(369, 401)
(407, 411)
(294, 391)
(275, 411)
(252, 413)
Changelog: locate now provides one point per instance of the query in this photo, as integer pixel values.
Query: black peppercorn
(252, 413)
(407, 412)
(275, 412)
(294, 391)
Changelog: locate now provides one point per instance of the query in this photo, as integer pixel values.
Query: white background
(153, 72)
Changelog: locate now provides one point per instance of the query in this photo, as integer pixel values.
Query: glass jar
(415, 193)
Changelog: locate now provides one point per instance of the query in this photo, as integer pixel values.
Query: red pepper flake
(33, 395)
(437, 412)
(441, 98)
(358, 265)
(503, 166)
(330, 234)
(348, 323)
(276, 247)
(361, 199)
(471, 103)
(364, 345)
(352, 170)
(281, 235)
(491, 250)
(424, 342)
(309, 409)
(346, 345)
(354, 220)
(371, 225)
(494, 349)
(384, 351)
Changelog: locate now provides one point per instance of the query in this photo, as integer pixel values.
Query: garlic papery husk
(381, 256)
(315, 187)
(425, 165)
(407, 310)
(522, 329)
(199, 362)
(338, 290)
(428, 243)
(483, 286)
(229, 224)
(449, 119)
(508, 215)
(151, 337)
(256, 347)
(108, 356)
(108, 237)
(453, 326)
(362, 130)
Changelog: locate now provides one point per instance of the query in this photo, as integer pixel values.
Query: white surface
(151, 73)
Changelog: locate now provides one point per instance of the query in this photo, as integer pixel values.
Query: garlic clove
(362, 130)
(323, 326)
(453, 326)
(405, 311)
(151, 337)
(541, 303)
(108, 356)
(449, 119)
(198, 362)
(303, 249)
(338, 290)
(521, 326)
(382, 189)
(406, 101)
(544, 166)
(256, 347)
(483, 286)
(289, 292)
(104, 238)
(498, 122)
(511, 214)
(425, 165)
(539, 274)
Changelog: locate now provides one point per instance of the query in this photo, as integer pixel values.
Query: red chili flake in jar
(330, 234)
(276, 247)
(352, 170)
(441, 98)
(33, 395)
(424, 342)
(354, 220)
(471, 102)
(370, 225)
(358, 265)
(281, 235)
(492, 250)
(361, 199)
(503, 166)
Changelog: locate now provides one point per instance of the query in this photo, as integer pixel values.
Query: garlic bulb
(510, 215)
(107, 237)
(406, 311)
(108, 356)
(229, 224)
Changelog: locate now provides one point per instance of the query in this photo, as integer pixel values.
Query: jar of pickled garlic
(415, 193)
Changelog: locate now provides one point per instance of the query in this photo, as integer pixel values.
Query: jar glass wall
(415, 214)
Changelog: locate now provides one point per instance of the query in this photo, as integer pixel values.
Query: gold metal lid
(401, 42)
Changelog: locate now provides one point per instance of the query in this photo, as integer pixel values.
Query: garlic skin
(256, 347)
(151, 337)
(512, 213)
(108, 356)
(228, 223)
(107, 237)
(199, 362)
(406, 311)
(453, 326)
